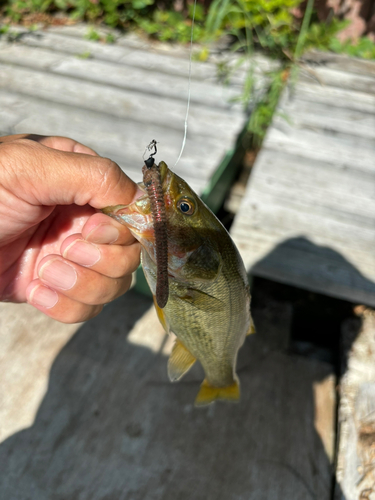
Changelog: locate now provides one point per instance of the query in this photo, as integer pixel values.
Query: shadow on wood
(294, 258)
(111, 425)
(298, 260)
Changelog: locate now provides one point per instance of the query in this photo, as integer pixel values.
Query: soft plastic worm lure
(152, 182)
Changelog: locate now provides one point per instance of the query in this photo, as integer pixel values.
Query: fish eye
(186, 206)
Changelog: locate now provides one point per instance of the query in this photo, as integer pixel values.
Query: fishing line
(189, 82)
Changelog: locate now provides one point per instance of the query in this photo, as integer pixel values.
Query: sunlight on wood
(148, 332)
(26, 357)
(325, 413)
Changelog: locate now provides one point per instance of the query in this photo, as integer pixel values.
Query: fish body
(208, 307)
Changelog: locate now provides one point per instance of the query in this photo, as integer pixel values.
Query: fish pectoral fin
(201, 300)
(208, 393)
(180, 361)
(161, 315)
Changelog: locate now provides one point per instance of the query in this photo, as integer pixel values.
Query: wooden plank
(287, 199)
(325, 118)
(264, 239)
(124, 77)
(154, 57)
(284, 138)
(260, 63)
(118, 139)
(332, 96)
(112, 425)
(118, 102)
(340, 62)
(330, 176)
(339, 79)
(303, 262)
(285, 222)
(325, 413)
(356, 460)
(29, 342)
(149, 60)
(307, 217)
(277, 187)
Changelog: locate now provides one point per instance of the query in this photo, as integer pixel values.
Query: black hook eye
(149, 162)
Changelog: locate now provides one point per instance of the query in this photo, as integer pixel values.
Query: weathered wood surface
(308, 215)
(117, 98)
(87, 411)
(108, 424)
(356, 451)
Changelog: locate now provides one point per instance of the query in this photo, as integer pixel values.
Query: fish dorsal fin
(180, 361)
(208, 393)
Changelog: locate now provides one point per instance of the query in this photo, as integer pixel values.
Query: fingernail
(43, 296)
(82, 253)
(104, 233)
(58, 274)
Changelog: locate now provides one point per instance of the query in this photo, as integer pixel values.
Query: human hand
(56, 251)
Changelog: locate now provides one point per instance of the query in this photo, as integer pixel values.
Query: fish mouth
(137, 216)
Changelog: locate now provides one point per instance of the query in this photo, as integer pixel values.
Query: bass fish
(208, 295)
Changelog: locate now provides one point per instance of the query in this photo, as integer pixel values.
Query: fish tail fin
(208, 393)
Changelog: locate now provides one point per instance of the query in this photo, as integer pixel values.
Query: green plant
(152, 18)
(264, 109)
(267, 23)
(270, 25)
(92, 34)
(110, 38)
(85, 55)
(363, 48)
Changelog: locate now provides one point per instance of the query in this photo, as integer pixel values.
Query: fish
(208, 306)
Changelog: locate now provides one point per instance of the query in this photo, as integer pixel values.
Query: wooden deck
(87, 411)
(308, 216)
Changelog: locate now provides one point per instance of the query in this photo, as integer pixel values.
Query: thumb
(40, 175)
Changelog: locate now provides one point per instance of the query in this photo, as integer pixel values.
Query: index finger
(43, 176)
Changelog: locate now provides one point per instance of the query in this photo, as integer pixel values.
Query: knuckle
(81, 313)
(92, 312)
(105, 293)
(110, 174)
(122, 269)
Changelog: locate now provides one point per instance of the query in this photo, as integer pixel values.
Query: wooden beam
(355, 471)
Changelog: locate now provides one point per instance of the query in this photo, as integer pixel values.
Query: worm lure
(152, 182)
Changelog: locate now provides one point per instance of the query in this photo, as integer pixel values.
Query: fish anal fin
(180, 361)
(208, 393)
(161, 315)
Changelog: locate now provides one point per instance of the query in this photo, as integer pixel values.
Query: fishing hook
(150, 161)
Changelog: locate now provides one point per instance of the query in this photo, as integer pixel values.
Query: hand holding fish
(56, 251)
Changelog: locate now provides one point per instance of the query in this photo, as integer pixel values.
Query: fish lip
(132, 207)
(142, 187)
